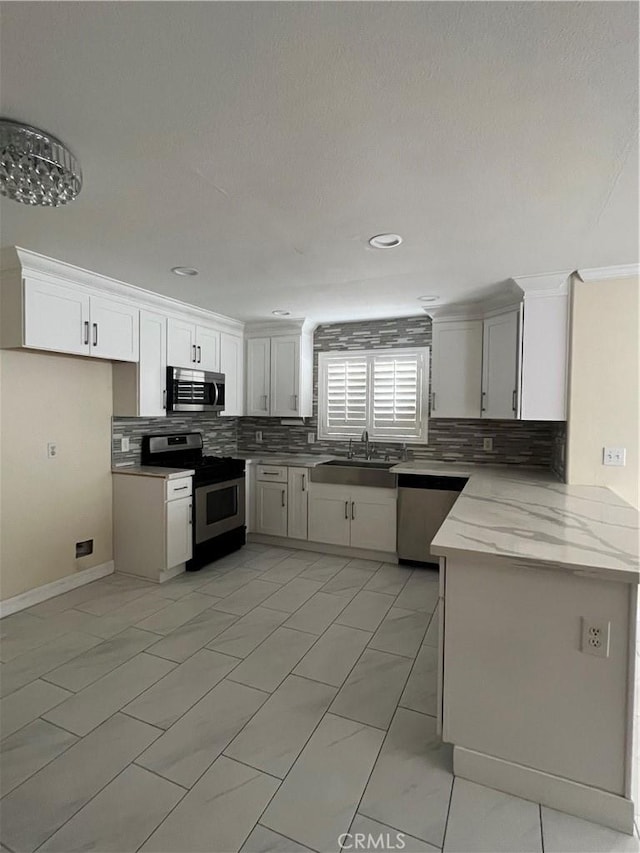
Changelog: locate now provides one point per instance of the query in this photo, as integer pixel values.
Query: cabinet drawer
(272, 473)
(180, 488)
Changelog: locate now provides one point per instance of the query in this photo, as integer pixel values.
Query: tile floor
(271, 702)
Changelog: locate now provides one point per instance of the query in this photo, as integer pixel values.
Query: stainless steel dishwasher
(424, 501)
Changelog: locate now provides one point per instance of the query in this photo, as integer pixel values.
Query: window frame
(370, 355)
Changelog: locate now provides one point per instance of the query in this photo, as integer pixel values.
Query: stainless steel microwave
(194, 390)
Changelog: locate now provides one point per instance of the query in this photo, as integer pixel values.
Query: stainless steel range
(219, 489)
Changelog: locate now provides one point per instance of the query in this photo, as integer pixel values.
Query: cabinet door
(271, 508)
(258, 361)
(457, 369)
(373, 519)
(152, 374)
(179, 541)
(208, 349)
(544, 358)
(285, 376)
(181, 343)
(329, 514)
(298, 494)
(232, 365)
(56, 317)
(114, 329)
(500, 366)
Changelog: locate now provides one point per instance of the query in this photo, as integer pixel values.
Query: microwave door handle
(215, 388)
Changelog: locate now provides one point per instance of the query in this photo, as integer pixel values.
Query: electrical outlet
(52, 450)
(311, 437)
(124, 443)
(614, 456)
(487, 444)
(595, 637)
(258, 436)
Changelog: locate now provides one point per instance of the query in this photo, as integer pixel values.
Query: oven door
(219, 508)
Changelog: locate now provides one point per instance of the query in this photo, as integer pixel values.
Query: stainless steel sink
(355, 472)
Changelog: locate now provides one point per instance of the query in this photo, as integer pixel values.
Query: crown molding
(273, 328)
(544, 284)
(604, 273)
(41, 266)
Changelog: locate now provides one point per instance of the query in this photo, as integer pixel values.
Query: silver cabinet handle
(164, 399)
(514, 403)
(295, 402)
(433, 401)
(283, 494)
(353, 510)
(346, 509)
(86, 331)
(199, 355)
(193, 353)
(270, 474)
(190, 513)
(483, 408)
(304, 477)
(181, 488)
(264, 397)
(95, 334)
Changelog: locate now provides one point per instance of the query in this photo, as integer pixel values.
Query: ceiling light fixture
(279, 312)
(184, 271)
(35, 167)
(385, 241)
(428, 298)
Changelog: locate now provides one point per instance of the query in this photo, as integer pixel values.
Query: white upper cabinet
(279, 370)
(153, 364)
(232, 366)
(192, 345)
(500, 366)
(208, 348)
(456, 369)
(544, 358)
(114, 329)
(56, 317)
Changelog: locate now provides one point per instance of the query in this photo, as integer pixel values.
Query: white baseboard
(555, 792)
(50, 590)
(323, 547)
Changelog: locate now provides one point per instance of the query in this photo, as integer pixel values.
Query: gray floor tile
(324, 569)
(25, 668)
(106, 602)
(29, 749)
(389, 579)
(170, 697)
(21, 632)
(62, 787)
(421, 591)
(286, 570)
(100, 660)
(366, 610)
(292, 595)
(401, 632)
(367, 565)
(371, 692)
(410, 786)
(485, 821)
(116, 621)
(248, 632)
(347, 582)
(318, 799)
(563, 833)
(248, 597)
(192, 636)
(26, 704)
(227, 582)
(268, 666)
(121, 817)
(267, 559)
(421, 692)
(263, 840)
(431, 637)
(84, 711)
(333, 656)
(70, 599)
(375, 836)
(275, 736)
(192, 744)
(221, 810)
(317, 613)
(176, 614)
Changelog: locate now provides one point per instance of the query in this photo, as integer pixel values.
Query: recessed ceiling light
(184, 271)
(428, 298)
(385, 241)
(279, 312)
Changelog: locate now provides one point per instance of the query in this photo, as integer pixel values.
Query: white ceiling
(264, 143)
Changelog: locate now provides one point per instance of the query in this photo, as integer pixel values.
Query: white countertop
(438, 469)
(292, 459)
(526, 515)
(153, 471)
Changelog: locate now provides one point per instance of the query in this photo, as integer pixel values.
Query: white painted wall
(47, 505)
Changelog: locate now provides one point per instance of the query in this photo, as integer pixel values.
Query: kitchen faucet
(367, 446)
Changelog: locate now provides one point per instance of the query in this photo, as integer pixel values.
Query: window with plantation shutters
(382, 391)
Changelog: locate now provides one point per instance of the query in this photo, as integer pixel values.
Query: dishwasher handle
(429, 481)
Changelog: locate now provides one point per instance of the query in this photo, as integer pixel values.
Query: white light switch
(124, 443)
(311, 437)
(614, 456)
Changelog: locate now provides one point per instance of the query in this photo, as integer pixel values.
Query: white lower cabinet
(298, 503)
(358, 516)
(271, 508)
(152, 525)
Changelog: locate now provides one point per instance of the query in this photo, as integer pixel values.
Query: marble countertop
(153, 471)
(527, 516)
(438, 469)
(292, 459)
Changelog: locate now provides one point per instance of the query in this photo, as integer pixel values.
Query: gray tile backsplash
(539, 443)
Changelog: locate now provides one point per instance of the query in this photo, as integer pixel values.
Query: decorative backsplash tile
(218, 434)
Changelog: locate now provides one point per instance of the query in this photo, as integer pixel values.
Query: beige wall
(604, 385)
(47, 505)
